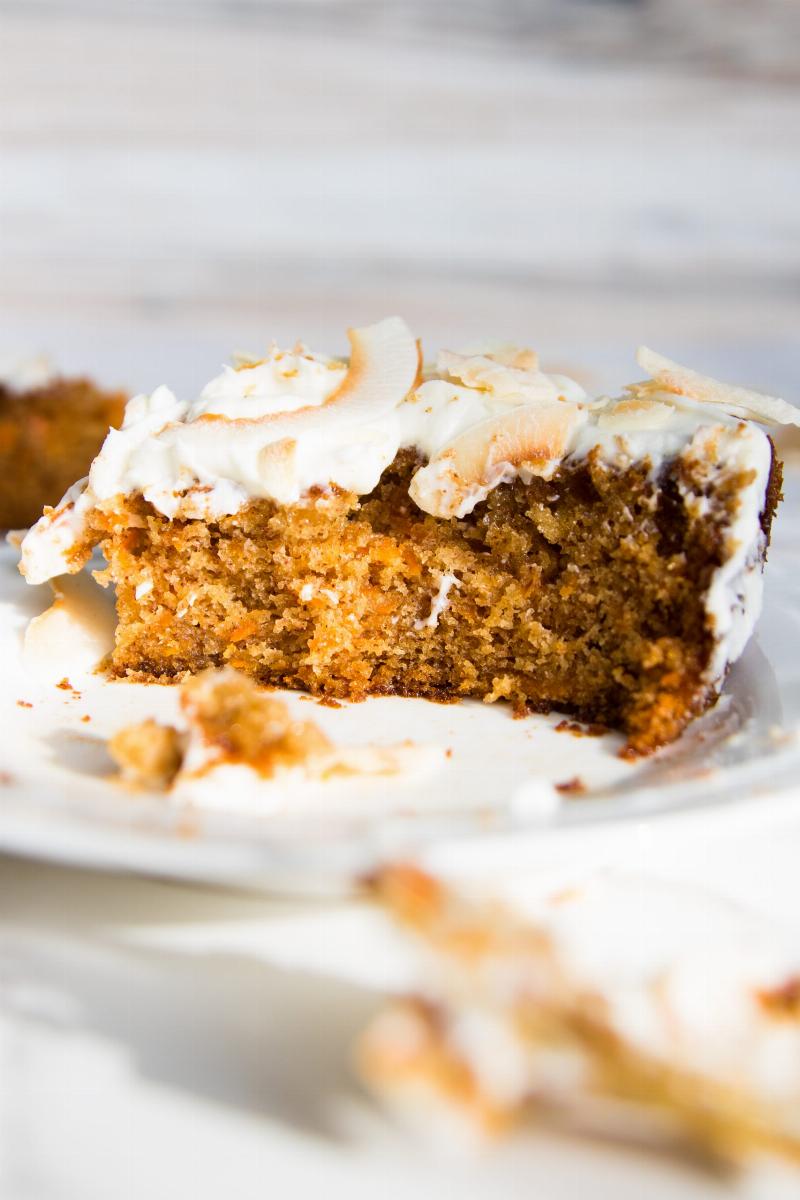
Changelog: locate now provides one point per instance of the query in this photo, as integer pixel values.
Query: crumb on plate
(227, 719)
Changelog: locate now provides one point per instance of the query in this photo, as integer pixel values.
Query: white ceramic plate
(58, 799)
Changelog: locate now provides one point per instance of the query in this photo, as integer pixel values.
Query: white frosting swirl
(282, 382)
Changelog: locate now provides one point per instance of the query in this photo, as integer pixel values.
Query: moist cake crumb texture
(582, 593)
(479, 530)
(148, 754)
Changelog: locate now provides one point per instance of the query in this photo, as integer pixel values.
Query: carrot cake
(613, 1004)
(50, 430)
(479, 528)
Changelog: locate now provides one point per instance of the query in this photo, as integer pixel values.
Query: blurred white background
(180, 177)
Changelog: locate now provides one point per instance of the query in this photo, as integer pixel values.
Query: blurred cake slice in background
(51, 428)
(618, 1006)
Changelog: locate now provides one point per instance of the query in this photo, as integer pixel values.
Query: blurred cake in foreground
(622, 1007)
(50, 430)
(479, 529)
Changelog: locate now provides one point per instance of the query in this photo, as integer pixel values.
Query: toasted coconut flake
(514, 356)
(385, 361)
(504, 354)
(739, 401)
(530, 437)
(636, 413)
(505, 372)
(385, 365)
(243, 360)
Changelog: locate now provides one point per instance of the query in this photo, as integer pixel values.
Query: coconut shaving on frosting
(295, 423)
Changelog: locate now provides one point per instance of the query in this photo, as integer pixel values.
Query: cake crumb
(572, 787)
(66, 686)
(578, 730)
(149, 755)
(24, 704)
(237, 723)
(228, 720)
(782, 1001)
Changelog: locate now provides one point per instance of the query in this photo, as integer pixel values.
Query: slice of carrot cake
(50, 430)
(478, 529)
(614, 1004)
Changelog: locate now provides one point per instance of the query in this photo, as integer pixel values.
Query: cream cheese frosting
(285, 425)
